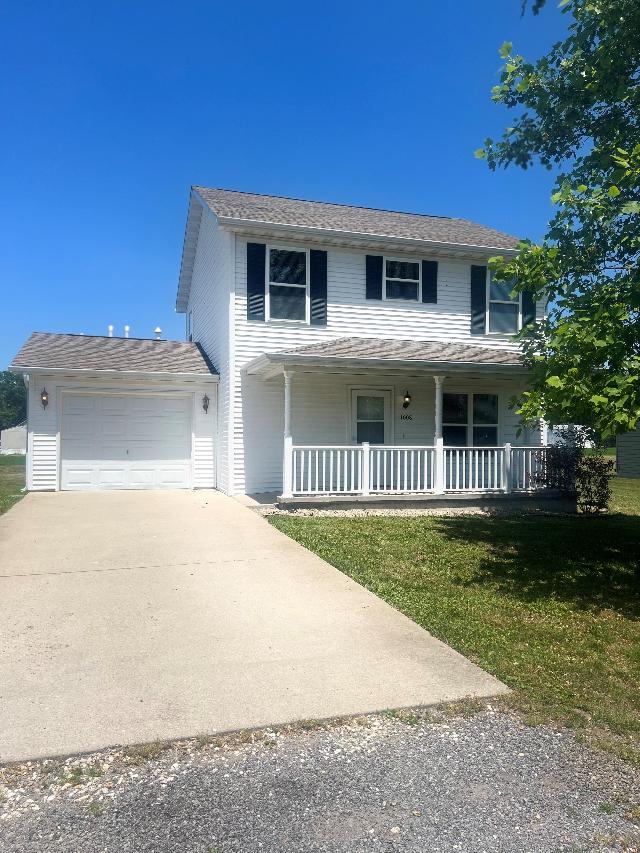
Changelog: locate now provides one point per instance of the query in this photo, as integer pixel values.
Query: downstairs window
(470, 420)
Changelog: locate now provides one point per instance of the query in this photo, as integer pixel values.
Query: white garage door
(125, 441)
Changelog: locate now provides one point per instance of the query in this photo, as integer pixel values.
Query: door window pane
(454, 436)
(503, 318)
(370, 408)
(485, 436)
(371, 431)
(287, 303)
(485, 409)
(454, 408)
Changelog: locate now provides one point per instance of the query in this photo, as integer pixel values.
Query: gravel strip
(407, 781)
(374, 511)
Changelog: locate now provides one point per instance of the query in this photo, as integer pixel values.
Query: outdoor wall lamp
(205, 404)
(406, 402)
(44, 398)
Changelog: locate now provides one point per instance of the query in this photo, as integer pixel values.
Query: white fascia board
(189, 247)
(329, 234)
(151, 376)
(273, 363)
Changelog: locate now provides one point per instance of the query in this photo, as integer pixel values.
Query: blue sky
(110, 111)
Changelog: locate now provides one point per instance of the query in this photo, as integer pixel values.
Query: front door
(371, 416)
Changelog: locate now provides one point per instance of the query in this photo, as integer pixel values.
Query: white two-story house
(330, 350)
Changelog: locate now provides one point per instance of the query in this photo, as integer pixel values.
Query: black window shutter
(429, 281)
(528, 308)
(478, 300)
(318, 286)
(374, 276)
(256, 260)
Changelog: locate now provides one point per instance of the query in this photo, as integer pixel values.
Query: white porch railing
(331, 470)
(409, 470)
(400, 470)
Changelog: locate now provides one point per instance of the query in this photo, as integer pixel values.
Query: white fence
(406, 470)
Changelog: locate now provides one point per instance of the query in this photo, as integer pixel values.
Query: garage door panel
(125, 441)
(80, 477)
(80, 405)
(111, 427)
(108, 477)
(79, 426)
(109, 404)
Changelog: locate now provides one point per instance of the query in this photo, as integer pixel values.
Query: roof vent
(110, 330)
(157, 332)
(127, 329)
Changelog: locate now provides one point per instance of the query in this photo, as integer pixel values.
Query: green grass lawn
(11, 480)
(550, 605)
(610, 452)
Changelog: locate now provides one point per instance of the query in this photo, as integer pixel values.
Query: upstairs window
(504, 312)
(470, 419)
(401, 279)
(288, 285)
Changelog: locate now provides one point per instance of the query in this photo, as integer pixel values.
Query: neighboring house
(337, 349)
(556, 434)
(628, 454)
(14, 439)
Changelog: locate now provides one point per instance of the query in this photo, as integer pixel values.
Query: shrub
(593, 483)
(559, 467)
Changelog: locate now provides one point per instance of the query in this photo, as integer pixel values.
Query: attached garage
(118, 413)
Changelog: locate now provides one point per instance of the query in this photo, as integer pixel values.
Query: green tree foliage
(577, 110)
(13, 399)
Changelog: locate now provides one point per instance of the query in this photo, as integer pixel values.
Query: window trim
(269, 284)
(386, 258)
(489, 301)
(469, 425)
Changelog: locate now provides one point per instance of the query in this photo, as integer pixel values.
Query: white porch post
(287, 461)
(507, 468)
(438, 443)
(366, 467)
(544, 432)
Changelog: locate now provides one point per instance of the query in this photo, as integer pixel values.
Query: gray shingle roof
(423, 351)
(277, 210)
(47, 350)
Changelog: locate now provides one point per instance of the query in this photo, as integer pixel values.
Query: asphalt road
(380, 783)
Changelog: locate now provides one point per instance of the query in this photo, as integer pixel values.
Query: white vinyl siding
(209, 307)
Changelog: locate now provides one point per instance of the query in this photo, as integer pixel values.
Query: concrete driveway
(131, 616)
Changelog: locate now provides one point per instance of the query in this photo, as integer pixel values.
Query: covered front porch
(396, 429)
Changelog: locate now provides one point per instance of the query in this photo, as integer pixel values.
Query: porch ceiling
(391, 355)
